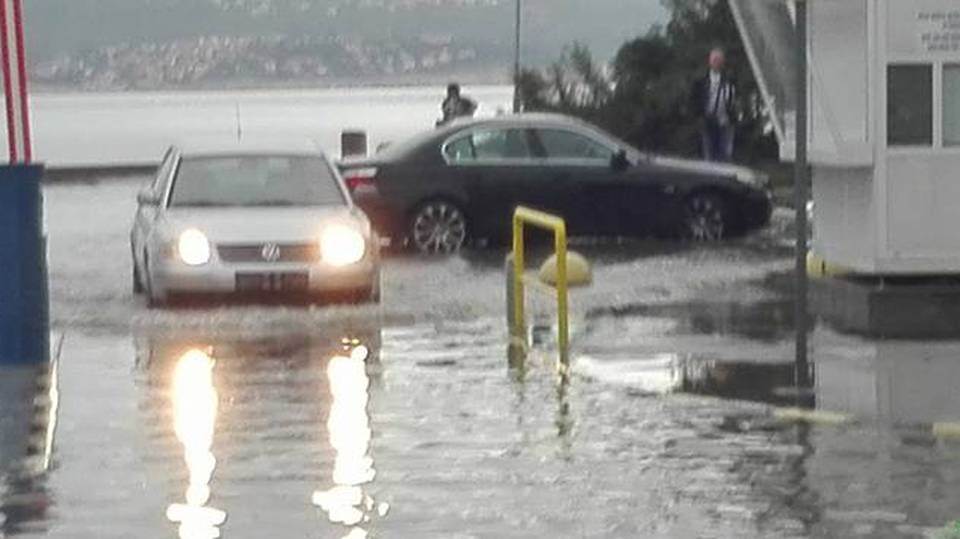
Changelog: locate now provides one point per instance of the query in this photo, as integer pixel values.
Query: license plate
(272, 282)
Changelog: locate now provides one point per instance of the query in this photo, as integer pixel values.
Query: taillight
(360, 179)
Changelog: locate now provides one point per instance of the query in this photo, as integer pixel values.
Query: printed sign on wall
(939, 30)
(923, 28)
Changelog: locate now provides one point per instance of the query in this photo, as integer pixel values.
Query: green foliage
(950, 531)
(645, 95)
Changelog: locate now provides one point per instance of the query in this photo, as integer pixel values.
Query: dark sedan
(439, 189)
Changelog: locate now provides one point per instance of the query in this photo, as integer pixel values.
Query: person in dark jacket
(713, 99)
(456, 106)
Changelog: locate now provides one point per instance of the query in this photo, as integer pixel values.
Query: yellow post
(519, 320)
(563, 337)
(553, 223)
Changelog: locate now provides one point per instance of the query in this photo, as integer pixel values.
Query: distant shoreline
(475, 79)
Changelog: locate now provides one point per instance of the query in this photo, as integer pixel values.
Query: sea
(135, 128)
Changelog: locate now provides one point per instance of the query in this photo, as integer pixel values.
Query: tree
(645, 98)
(574, 85)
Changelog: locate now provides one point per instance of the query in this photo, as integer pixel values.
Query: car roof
(523, 118)
(247, 146)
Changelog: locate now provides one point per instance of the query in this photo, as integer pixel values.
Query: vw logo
(270, 252)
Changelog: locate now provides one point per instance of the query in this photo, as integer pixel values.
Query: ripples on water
(259, 421)
(420, 430)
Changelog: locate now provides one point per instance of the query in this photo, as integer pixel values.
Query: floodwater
(404, 421)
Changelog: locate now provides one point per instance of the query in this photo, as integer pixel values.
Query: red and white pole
(15, 81)
(24, 307)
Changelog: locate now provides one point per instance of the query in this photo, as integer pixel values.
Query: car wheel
(137, 281)
(154, 299)
(137, 285)
(369, 295)
(438, 227)
(349, 297)
(704, 218)
(375, 291)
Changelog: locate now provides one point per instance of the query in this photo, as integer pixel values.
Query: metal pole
(563, 324)
(516, 60)
(24, 305)
(14, 69)
(801, 192)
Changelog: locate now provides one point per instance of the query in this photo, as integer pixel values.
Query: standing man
(455, 105)
(714, 100)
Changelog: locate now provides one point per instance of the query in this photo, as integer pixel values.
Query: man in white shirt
(714, 99)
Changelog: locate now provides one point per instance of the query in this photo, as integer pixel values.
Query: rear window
(255, 181)
(408, 147)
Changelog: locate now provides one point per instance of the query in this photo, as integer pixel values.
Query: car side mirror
(619, 161)
(148, 198)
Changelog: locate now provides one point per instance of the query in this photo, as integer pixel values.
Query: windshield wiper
(202, 204)
(275, 203)
(248, 204)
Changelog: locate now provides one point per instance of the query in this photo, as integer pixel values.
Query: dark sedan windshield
(261, 180)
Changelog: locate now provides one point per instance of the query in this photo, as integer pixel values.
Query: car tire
(375, 291)
(154, 300)
(137, 282)
(363, 296)
(705, 218)
(438, 227)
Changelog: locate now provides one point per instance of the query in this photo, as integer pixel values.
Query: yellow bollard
(946, 429)
(579, 272)
(818, 268)
(821, 417)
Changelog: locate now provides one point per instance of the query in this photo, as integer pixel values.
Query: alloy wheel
(439, 228)
(705, 218)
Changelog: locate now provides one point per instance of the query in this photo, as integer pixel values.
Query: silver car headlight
(341, 245)
(193, 247)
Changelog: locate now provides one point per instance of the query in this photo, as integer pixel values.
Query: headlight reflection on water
(194, 419)
(348, 426)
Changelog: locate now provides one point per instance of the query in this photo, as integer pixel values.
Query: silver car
(246, 217)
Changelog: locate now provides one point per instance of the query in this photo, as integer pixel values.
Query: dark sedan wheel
(705, 218)
(438, 227)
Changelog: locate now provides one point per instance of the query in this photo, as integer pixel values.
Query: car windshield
(255, 180)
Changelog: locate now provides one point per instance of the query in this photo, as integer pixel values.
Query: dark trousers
(718, 142)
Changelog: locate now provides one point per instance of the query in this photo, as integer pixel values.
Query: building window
(951, 105)
(910, 105)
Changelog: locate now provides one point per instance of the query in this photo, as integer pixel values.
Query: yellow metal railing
(521, 218)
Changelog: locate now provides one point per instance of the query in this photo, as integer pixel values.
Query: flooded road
(404, 421)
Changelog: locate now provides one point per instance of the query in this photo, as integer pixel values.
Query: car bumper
(388, 221)
(174, 277)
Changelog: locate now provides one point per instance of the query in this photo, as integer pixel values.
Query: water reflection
(348, 426)
(29, 406)
(893, 382)
(253, 414)
(761, 321)
(195, 403)
(899, 382)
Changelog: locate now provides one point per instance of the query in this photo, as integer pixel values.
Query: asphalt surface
(404, 420)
